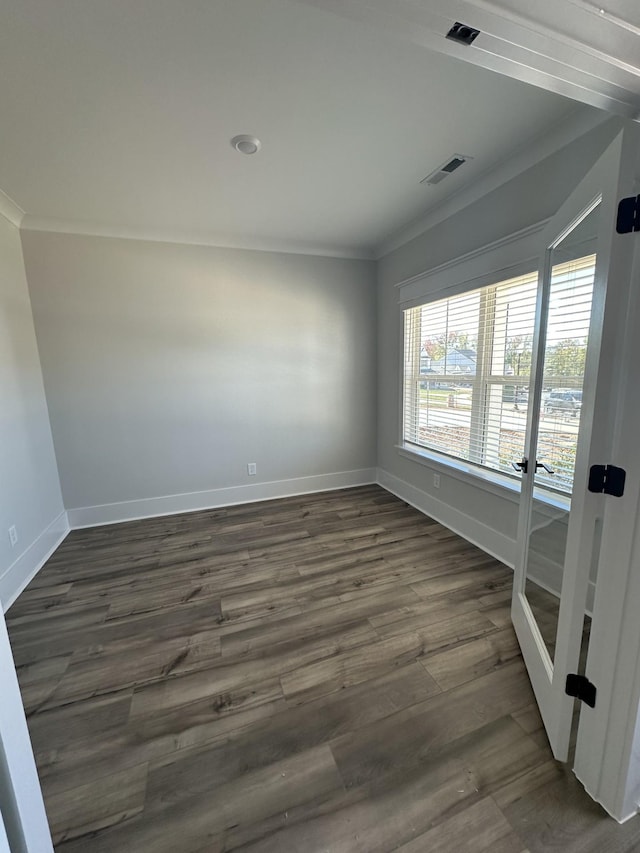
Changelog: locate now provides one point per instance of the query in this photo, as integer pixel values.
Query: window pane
(512, 333)
(467, 363)
(506, 425)
(449, 336)
(445, 416)
(563, 374)
(510, 328)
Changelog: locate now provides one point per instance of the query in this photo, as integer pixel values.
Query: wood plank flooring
(334, 672)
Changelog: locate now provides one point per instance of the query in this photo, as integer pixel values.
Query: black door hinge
(628, 219)
(580, 687)
(607, 479)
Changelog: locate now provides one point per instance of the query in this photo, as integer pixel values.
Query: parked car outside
(565, 401)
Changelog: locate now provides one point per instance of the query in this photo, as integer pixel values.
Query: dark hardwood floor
(334, 672)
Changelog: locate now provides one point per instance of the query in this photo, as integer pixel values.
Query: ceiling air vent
(446, 169)
(462, 33)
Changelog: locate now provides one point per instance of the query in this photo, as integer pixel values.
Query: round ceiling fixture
(246, 144)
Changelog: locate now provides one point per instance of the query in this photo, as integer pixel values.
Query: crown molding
(455, 263)
(543, 146)
(192, 238)
(513, 255)
(10, 210)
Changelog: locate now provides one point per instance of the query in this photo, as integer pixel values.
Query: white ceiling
(116, 117)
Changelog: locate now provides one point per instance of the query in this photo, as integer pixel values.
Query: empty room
(319, 487)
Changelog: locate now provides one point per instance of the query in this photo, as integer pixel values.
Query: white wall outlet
(436, 481)
(13, 536)
(251, 469)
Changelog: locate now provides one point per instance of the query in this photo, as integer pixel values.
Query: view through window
(467, 363)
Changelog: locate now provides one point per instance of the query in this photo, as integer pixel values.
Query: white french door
(569, 430)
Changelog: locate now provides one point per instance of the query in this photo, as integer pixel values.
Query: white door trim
(607, 753)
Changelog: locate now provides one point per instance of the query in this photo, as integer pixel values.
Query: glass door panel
(565, 337)
(571, 426)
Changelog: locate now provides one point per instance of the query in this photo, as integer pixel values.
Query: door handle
(523, 466)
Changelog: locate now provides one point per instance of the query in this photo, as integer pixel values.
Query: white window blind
(467, 363)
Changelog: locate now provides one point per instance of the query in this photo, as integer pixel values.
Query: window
(467, 363)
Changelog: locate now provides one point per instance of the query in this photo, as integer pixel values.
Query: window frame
(511, 256)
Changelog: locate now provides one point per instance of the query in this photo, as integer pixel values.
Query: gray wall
(531, 197)
(169, 367)
(30, 495)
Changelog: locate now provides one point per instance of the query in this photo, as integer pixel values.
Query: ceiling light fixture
(246, 144)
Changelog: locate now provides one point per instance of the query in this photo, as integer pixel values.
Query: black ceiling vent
(453, 164)
(463, 33)
(446, 169)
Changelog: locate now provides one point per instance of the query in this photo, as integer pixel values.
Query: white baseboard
(496, 544)
(26, 567)
(93, 516)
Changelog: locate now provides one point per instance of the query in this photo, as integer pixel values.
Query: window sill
(494, 482)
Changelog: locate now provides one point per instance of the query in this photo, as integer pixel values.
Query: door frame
(607, 759)
(21, 804)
